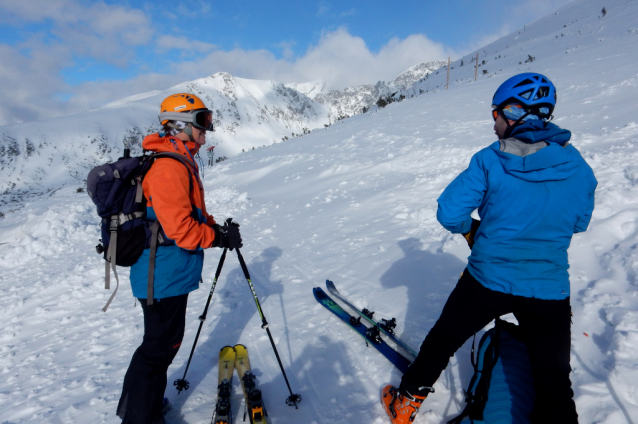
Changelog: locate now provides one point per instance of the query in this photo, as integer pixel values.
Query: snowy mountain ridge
(38, 157)
(358, 99)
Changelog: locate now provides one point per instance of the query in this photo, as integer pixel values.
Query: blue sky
(64, 56)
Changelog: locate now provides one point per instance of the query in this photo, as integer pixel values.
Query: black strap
(156, 227)
(477, 399)
(151, 265)
(187, 162)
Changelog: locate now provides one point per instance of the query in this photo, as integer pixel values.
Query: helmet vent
(524, 82)
(542, 92)
(535, 93)
(526, 94)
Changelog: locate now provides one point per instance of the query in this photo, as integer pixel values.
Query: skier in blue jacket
(533, 191)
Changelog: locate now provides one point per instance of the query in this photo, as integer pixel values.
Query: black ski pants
(145, 379)
(546, 326)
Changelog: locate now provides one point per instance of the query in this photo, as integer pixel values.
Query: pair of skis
(372, 333)
(230, 359)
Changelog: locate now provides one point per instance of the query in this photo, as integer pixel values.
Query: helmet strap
(510, 128)
(174, 128)
(189, 132)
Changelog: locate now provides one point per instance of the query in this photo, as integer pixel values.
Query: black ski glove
(470, 236)
(227, 236)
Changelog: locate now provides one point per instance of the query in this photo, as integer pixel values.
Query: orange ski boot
(401, 406)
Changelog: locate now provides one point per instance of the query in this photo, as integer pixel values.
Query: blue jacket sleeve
(464, 194)
(583, 220)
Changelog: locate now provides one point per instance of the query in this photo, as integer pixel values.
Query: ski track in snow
(355, 203)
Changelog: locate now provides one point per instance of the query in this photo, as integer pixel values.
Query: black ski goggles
(203, 119)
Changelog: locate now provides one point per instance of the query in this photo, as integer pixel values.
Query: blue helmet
(535, 92)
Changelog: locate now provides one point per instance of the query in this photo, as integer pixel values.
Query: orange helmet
(181, 102)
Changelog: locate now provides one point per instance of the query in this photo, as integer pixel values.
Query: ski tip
(320, 295)
(241, 352)
(227, 353)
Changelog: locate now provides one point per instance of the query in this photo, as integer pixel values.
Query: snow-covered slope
(355, 203)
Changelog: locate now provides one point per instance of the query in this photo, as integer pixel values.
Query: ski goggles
(507, 110)
(201, 119)
(514, 112)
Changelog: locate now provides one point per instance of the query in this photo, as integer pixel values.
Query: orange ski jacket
(166, 188)
(183, 217)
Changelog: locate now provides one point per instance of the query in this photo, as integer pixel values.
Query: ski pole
(293, 399)
(182, 383)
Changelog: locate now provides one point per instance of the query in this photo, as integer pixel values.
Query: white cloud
(29, 84)
(184, 44)
(339, 59)
(193, 9)
(323, 9)
(100, 31)
(286, 47)
(39, 10)
(350, 12)
(32, 81)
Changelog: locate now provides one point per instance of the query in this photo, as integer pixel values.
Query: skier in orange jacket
(175, 198)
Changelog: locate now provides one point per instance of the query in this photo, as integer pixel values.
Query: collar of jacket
(160, 142)
(537, 130)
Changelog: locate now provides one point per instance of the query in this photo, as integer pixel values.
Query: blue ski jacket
(533, 191)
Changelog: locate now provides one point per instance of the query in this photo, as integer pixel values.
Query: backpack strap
(111, 256)
(151, 265)
(155, 233)
(480, 395)
(476, 395)
(117, 220)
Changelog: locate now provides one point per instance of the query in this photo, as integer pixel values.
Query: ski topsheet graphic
(385, 326)
(371, 334)
(226, 366)
(254, 402)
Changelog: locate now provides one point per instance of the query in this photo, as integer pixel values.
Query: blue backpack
(116, 190)
(501, 390)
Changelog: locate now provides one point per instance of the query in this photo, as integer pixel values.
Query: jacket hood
(557, 160)
(535, 130)
(165, 143)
